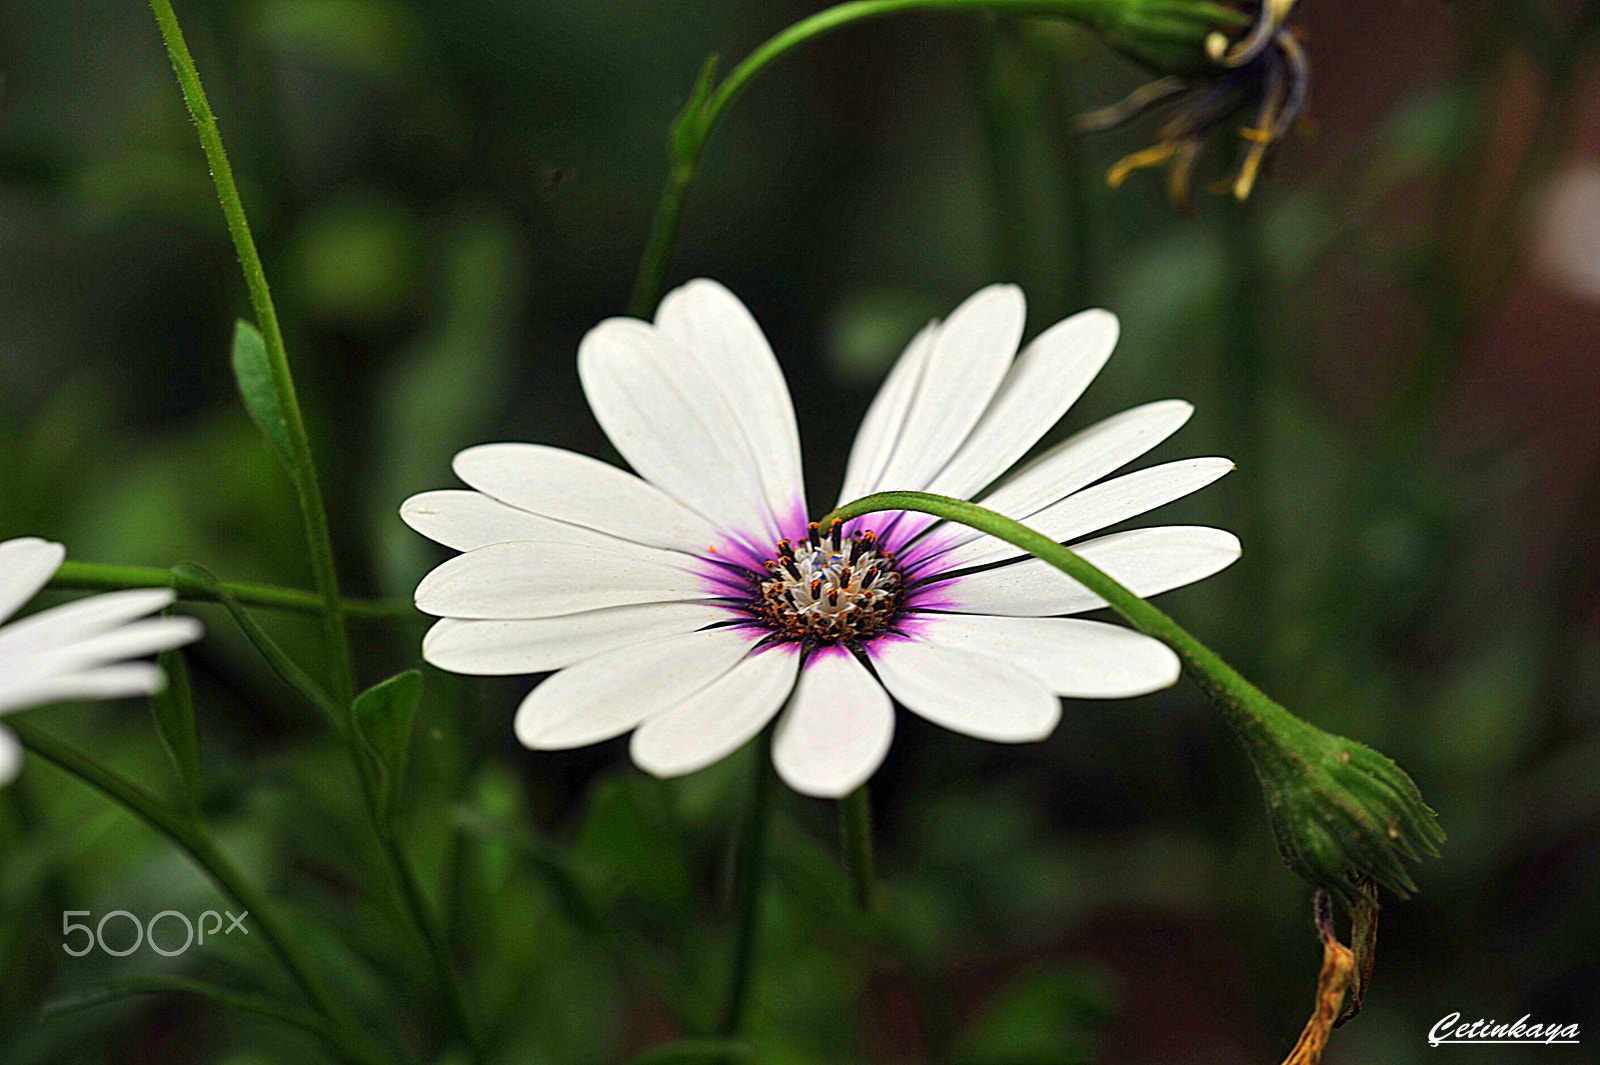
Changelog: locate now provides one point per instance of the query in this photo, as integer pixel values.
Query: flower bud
(1340, 810)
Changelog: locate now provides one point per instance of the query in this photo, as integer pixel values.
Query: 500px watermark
(1451, 1029)
(146, 931)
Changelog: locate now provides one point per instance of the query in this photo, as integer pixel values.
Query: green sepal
(384, 714)
(1342, 811)
(253, 373)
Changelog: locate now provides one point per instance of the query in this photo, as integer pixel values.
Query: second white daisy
(79, 650)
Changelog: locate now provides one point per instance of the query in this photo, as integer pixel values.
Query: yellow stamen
(1154, 155)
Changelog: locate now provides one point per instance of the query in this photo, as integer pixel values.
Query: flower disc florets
(830, 589)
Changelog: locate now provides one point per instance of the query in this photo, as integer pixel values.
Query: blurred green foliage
(448, 193)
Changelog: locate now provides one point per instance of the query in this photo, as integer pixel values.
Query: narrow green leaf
(689, 128)
(697, 1052)
(291, 671)
(173, 709)
(383, 715)
(260, 393)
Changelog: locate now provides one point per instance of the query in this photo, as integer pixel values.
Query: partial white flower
(690, 604)
(78, 650)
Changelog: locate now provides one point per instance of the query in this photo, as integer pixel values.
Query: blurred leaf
(443, 392)
(358, 258)
(254, 375)
(697, 1052)
(1042, 1018)
(173, 709)
(384, 714)
(631, 843)
(375, 36)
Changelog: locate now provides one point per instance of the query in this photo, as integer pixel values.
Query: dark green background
(447, 194)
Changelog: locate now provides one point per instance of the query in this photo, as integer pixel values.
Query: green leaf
(260, 393)
(383, 715)
(173, 709)
(291, 671)
(697, 1052)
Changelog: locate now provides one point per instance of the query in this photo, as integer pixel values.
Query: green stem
(99, 576)
(1162, 35)
(194, 838)
(752, 874)
(226, 998)
(421, 911)
(1257, 719)
(855, 833)
(302, 469)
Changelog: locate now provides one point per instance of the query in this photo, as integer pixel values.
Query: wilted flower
(693, 602)
(1262, 83)
(78, 650)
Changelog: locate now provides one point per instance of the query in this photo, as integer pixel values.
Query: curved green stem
(1246, 706)
(855, 833)
(194, 839)
(99, 576)
(302, 469)
(1164, 34)
(1340, 810)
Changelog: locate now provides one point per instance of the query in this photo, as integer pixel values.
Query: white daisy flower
(78, 650)
(690, 604)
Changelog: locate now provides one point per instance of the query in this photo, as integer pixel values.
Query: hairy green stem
(855, 835)
(1165, 35)
(302, 469)
(98, 576)
(195, 839)
(752, 875)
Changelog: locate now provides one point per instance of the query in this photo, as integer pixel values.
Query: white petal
(837, 727)
(1095, 508)
(609, 694)
(10, 755)
(965, 692)
(1047, 378)
(1072, 656)
(1080, 460)
(538, 645)
(26, 565)
(708, 323)
(81, 618)
(672, 422)
(526, 579)
(126, 641)
(716, 721)
(970, 355)
(108, 682)
(886, 417)
(1147, 561)
(566, 486)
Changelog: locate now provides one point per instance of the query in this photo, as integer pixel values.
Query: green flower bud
(1340, 811)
